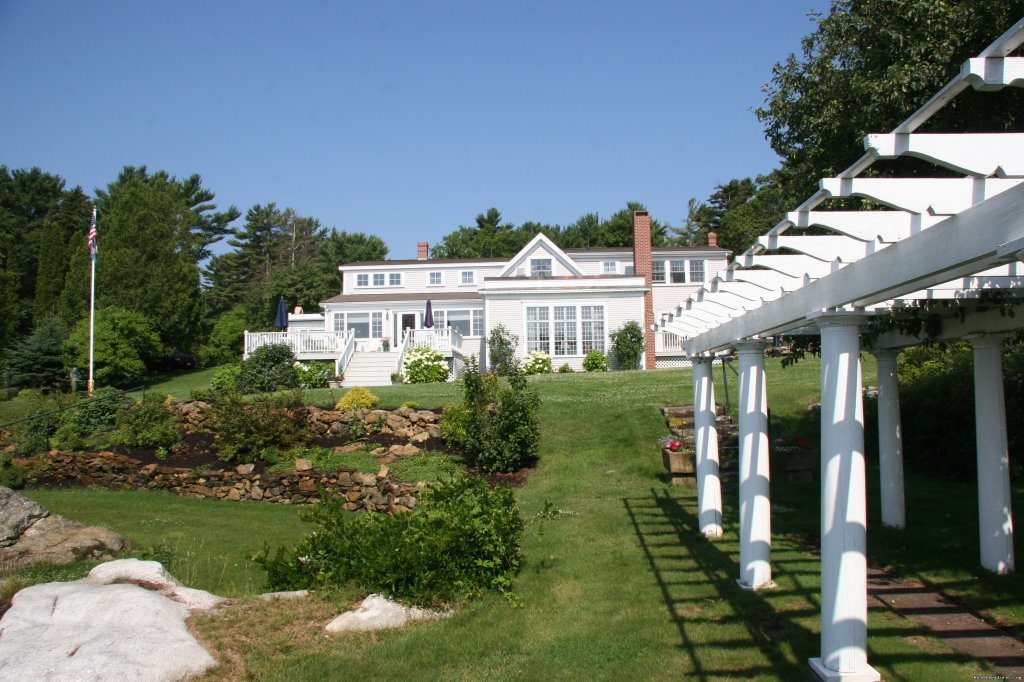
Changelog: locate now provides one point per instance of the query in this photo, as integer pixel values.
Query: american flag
(92, 234)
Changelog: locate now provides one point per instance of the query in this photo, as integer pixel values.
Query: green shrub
(126, 346)
(268, 368)
(11, 476)
(596, 361)
(628, 345)
(146, 425)
(34, 435)
(250, 431)
(426, 467)
(455, 423)
(460, 541)
(313, 374)
(225, 379)
(411, 404)
(424, 365)
(565, 369)
(226, 338)
(537, 362)
(90, 416)
(502, 431)
(327, 460)
(357, 398)
(501, 351)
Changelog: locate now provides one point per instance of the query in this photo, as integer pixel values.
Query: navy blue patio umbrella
(428, 319)
(282, 314)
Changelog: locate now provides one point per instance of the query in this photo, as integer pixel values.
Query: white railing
(346, 355)
(306, 345)
(667, 342)
(438, 339)
(401, 352)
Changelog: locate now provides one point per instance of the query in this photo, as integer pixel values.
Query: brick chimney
(642, 267)
(422, 250)
(712, 239)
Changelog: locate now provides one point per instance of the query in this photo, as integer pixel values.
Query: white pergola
(940, 238)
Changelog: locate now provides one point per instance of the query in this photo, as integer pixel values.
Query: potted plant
(385, 343)
(397, 378)
(335, 380)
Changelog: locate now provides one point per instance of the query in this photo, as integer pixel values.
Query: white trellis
(935, 238)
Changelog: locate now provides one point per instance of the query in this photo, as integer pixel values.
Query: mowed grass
(617, 583)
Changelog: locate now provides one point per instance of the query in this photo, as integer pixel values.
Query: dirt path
(950, 622)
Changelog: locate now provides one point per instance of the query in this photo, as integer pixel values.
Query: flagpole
(92, 294)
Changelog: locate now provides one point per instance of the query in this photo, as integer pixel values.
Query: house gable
(540, 247)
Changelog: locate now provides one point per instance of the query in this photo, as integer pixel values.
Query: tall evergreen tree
(69, 221)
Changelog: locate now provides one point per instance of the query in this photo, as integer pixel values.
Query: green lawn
(620, 585)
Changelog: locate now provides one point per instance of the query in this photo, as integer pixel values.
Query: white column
(709, 486)
(995, 519)
(890, 441)
(755, 494)
(844, 608)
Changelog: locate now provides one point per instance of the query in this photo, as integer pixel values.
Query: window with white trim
(378, 279)
(678, 269)
(697, 271)
(362, 280)
(538, 330)
(468, 277)
(395, 279)
(459, 319)
(566, 333)
(592, 328)
(609, 267)
(339, 322)
(434, 278)
(658, 271)
(376, 325)
(478, 322)
(359, 323)
(540, 267)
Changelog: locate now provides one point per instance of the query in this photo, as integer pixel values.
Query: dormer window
(362, 280)
(678, 271)
(468, 277)
(378, 279)
(609, 267)
(434, 278)
(696, 271)
(395, 279)
(540, 267)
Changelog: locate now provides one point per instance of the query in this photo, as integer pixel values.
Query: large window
(592, 328)
(359, 323)
(696, 271)
(566, 333)
(565, 329)
(678, 271)
(363, 325)
(459, 319)
(658, 271)
(468, 322)
(540, 267)
(538, 330)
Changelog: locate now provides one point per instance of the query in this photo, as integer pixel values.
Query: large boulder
(125, 621)
(29, 534)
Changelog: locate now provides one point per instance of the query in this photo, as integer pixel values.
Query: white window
(395, 279)
(565, 330)
(678, 271)
(592, 328)
(658, 271)
(376, 325)
(358, 323)
(540, 267)
(459, 319)
(339, 322)
(478, 323)
(696, 271)
(434, 278)
(378, 279)
(538, 330)
(362, 280)
(468, 277)
(609, 267)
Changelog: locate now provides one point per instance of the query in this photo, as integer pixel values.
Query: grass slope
(618, 584)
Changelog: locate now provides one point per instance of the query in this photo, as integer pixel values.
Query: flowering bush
(423, 365)
(537, 362)
(356, 398)
(313, 374)
(596, 361)
(674, 445)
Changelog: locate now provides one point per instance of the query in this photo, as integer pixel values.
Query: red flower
(803, 442)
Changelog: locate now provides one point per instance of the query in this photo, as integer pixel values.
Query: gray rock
(17, 514)
(379, 613)
(79, 631)
(60, 541)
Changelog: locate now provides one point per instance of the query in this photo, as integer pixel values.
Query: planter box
(679, 462)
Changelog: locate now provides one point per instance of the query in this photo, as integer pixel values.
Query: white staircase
(370, 368)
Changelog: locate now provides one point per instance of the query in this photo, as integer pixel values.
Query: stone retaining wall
(360, 491)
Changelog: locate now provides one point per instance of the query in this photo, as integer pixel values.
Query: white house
(562, 302)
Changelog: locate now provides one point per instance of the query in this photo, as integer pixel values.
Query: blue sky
(401, 119)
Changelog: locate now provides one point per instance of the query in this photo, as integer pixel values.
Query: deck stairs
(370, 368)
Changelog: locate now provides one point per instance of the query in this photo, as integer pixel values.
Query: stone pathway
(950, 622)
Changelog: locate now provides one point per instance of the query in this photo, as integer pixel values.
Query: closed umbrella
(282, 315)
(428, 319)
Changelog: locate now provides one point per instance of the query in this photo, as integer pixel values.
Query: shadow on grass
(730, 632)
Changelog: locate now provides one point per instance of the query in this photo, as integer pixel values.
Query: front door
(408, 321)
